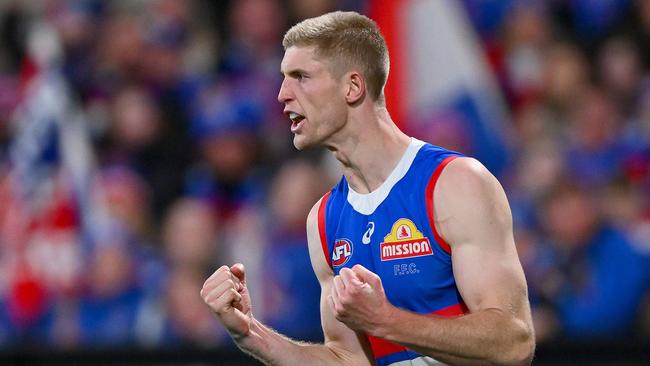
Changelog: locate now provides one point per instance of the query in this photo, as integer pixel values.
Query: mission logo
(341, 252)
(404, 241)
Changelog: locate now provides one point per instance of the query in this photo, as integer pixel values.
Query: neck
(369, 148)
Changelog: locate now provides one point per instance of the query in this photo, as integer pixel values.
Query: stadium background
(142, 146)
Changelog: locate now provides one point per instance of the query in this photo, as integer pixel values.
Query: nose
(284, 95)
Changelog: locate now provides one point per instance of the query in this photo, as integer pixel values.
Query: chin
(300, 143)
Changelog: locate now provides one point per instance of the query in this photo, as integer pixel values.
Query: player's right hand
(225, 292)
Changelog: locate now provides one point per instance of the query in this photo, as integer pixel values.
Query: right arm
(227, 295)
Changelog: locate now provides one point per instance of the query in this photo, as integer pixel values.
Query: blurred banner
(47, 197)
(440, 87)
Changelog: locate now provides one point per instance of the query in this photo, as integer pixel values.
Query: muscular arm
(342, 346)
(472, 214)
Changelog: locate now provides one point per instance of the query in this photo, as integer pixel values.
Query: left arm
(473, 216)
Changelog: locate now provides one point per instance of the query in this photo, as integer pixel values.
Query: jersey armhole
(322, 230)
(430, 203)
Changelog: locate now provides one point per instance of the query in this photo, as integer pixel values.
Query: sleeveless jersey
(391, 232)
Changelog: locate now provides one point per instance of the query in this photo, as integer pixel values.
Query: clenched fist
(358, 300)
(225, 292)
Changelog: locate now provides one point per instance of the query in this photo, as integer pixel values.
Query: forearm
(272, 348)
(489, 337)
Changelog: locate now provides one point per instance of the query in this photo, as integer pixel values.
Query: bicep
(346, 344)
(490, 277)
(476, 221)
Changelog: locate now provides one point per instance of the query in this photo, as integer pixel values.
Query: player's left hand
(358, 300)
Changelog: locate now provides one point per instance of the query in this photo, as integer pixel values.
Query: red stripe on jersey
(451, 311)
(429, 202)
(321, 227)
(381, 347)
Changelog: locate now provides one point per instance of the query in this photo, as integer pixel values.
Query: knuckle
(224, 271)
(234, 295)
(346, 301)
(343, 297)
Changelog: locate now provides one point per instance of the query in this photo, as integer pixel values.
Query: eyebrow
(293, 72)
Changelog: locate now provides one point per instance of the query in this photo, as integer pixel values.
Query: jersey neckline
(367, 203)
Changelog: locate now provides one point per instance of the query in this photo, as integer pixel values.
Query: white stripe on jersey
(420, 361)
(367, 203)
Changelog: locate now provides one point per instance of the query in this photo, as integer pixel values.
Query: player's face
(313, 100)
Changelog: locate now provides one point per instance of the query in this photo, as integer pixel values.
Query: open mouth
(296, 120)
(295, 117)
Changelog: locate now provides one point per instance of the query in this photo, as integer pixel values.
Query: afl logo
(341, 252)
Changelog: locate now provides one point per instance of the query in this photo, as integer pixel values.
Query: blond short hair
(351, 41)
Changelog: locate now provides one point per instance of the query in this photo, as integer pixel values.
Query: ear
(356, 88)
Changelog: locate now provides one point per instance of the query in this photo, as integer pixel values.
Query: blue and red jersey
(391, 232)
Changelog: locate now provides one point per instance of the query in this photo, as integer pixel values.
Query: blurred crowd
(189, 165)
(575, 74)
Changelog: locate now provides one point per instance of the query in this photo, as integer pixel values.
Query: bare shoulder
(312, 218)
(470, 200)
(315, 243)
(466, 175)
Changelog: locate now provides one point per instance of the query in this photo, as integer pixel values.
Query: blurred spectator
(637, 130)
(443, 129)
(540, 166)
(245, 240)
(190, 236)
(109, 307)
(303, 9)
(292, 291)
(635, 26)
(188, 322)
(596, 279)
(619, 67)
(225, 128)
(166, 36)
(120, 50)
(566, 76)
(622, 203)
(136, 123)
(249, 69)
(254, 47)
(126, 198)
(594, 18)
(526, 37)
(596, 150)
(141, 138)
